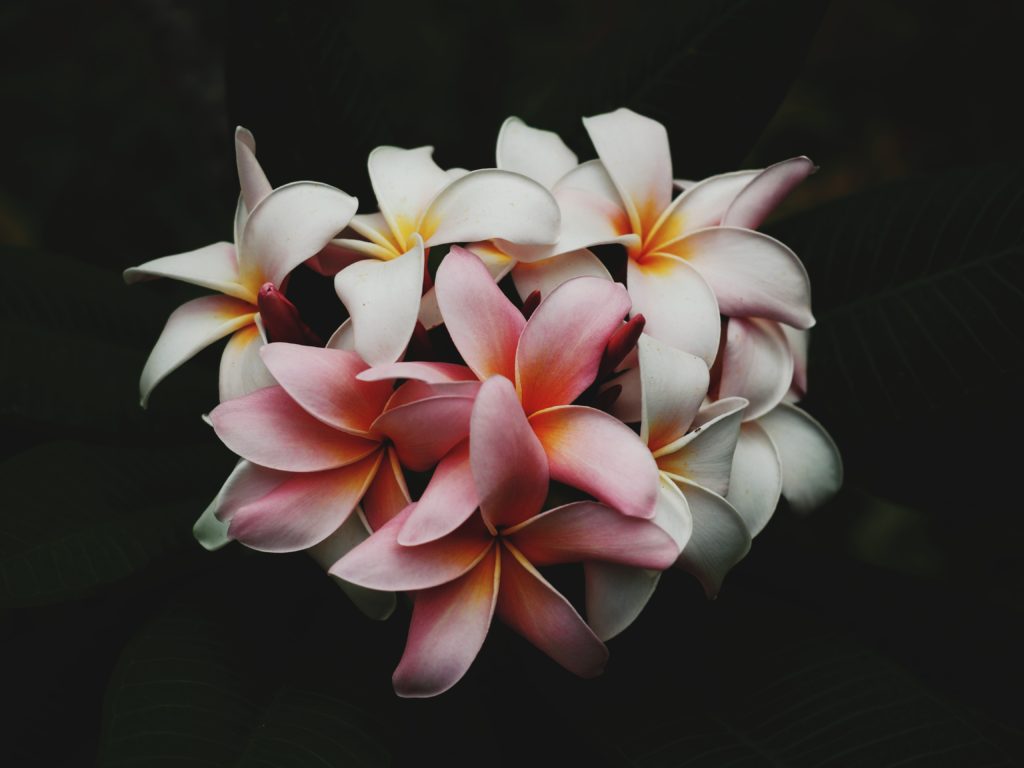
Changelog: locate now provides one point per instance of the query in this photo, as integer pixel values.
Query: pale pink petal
(212, 266)
(702, 205)
(756, 480)
(680, 307)
(268, 428)
(752, 275)
(488, 204)
(674, 384)
(756, 363)
(720, 538)
(595, 452)
(414, 390)
(509, 465)
(448, 501)
(766, 191)
(704, 455)
(586, 530)
(388, 494)
(448, 627)
(291, 224)
(428, 373)
(241, 369)
(484, 325)
(546, 275)
(798, 341)
(251, 178)
(541, 155)
(246, 483)
(561, 347)
(616, 595)
(404, 181)
(383, 299)
(812, 469)
(381, 562)
(324, 383)
(304, 509)
(191, 327)
(425, 430)
(533, 608)
(634, 149)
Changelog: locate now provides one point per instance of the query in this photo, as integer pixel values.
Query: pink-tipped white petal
(756, 364)
(425, 430)
(680, 307)
(595, 452)
(448, 501)
(563, 342)
(540, 155)
(447, 630)
(251, 178)
(616, 595)
(634, 149)
(428, 373)
(798, 341)
(674, 384)
(533, 608)
(509, 466)
(268, 428)
(546, 275)
(704, 455)
(484, 325)
(241, 369)
(812, 468)
(191, 327)
(404, 181)
(388, 494)
(756, 480)
(290, 225)
(769, 188)
(323, 382)
(702, 205)
(720, 538)
(383, 299)
(752, 275)
(212, 266)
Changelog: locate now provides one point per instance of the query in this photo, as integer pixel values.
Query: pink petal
(305, 509)
(766, 191)
(561, 347)
(540, 155)
(597, 453)
(546, 275)
(702, 205)
(381, 562)
(674, 384)
(268, 428)
(616, 595)
(484, 325)
(680, 307)
(246, 483)
(241, 369)
(323, 382)
(191, 327)
(705, 455)
(585, 530)
(756, 363)
(509, 465)
(448, 627)
(425, 430)
(534, 609)
(429, 373)
(414, 390)
(719, 540)
(212, 266)
(756, 480)
(448, 501)
(251, 178)
(388, 494)
(812, 469)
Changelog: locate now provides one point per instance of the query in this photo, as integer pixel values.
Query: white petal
(799, 342)
(210, 532)
(628, 406)
(766, 191)
(719, 540)
(212, 266)
(702, 205)
(541, 155)
(615, 595)
(251, 178)
(405, 181)
(756, 363)
(705, 454)
(674, 384)
(756, 480)
(548, 274)
(241, 369)
(344, 338)
(812, 469)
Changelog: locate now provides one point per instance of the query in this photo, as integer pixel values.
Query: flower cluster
(627, 411)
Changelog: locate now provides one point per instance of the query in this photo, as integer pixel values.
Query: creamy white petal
(812, 468)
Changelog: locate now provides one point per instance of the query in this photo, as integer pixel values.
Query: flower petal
(635, 151)
(191, 327)
(212, 266)
(381, 562)
(769, 188)
(509, 465)
(388, 494)
(561, 347)
(798, 341)
(241, 369)
(702, 205)
(680, 307)
(616, 595)
(448, 501)
(812, 468)
(756, 480)
(344, 338)
(246, 483)
(340, 253)
(719, 540)
(210, 532)
(756, 363)
(405, 181)
(752, 275)
(290, 225)
(425, 430)
(383, 300)
(674, 384)
(533, 608)
(546, 275)
(428, 373)
(540, 155)
(323, 382)
(705, 455)
(251, 178)
(628, 405)
(483, 324)
(268, 428)
(597, 453)
(448, 627)
(304, 509)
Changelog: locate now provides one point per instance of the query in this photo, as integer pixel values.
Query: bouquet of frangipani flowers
(658, 408)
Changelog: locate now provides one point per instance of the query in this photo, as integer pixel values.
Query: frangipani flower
(693, 448)
(275, 231)
(419, 200)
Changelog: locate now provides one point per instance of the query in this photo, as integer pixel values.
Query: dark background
(885, 630)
